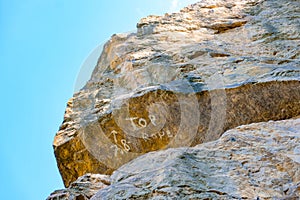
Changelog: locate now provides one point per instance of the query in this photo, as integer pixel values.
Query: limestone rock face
(256, 161)
(183, 79)
(83, 188)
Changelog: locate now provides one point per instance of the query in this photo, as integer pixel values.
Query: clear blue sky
(42, 46)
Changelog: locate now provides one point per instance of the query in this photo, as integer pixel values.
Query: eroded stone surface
(256, 161)
(181, 80)
(83, 188)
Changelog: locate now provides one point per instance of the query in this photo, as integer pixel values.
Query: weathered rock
(83, 188)
(181, 80)
(257, 161)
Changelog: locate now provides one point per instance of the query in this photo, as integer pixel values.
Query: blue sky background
(42, 47)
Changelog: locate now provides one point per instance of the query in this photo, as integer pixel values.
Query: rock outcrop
(171, 90)
(182, 80)
(256, 161)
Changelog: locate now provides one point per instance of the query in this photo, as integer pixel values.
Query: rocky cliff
(181, 80)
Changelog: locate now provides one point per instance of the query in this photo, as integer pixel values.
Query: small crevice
(225, 26)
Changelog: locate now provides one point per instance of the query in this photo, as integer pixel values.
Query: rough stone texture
(181, 80)
(256, 161)
(83, 188)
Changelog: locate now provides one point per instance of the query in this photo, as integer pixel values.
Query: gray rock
(256, 161)
(82, 189)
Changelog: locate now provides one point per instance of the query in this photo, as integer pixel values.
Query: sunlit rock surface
(256, 161)
(183, 79)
